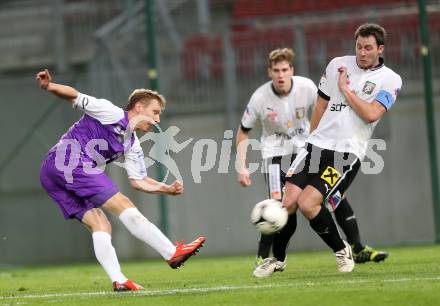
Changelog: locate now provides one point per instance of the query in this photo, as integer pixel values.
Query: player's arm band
(385, 98)
(323, 95)
(244, 129)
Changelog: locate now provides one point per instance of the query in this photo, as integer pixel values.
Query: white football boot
(268, 267)
(344, 259)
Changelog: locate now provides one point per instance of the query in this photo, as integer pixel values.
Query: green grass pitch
(410, 276)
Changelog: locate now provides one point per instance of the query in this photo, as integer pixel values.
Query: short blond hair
(144, 96)
(279, 55)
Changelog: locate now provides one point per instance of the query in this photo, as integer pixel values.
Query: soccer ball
(269, 216)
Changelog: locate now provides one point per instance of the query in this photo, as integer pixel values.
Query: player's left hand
(175, 188)
(343, 79)
(43, 78)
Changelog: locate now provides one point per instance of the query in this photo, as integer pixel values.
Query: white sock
(144, 230)
(106, 255)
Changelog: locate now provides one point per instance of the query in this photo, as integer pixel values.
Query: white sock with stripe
(144, 230)
(106, 255)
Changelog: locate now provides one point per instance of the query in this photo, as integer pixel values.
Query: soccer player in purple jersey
(72, 174)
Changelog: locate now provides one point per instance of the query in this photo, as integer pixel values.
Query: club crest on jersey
(331, 176)
(368, 87)
(300, 112)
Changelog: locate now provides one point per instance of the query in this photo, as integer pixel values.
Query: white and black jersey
(341, 129)
(284, 119)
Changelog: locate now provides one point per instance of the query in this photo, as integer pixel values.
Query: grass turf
(410, 276)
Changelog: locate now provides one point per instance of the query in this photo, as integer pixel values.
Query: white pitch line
(212, 289)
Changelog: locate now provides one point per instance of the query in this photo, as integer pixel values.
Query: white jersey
(284, 119)
(341, 129)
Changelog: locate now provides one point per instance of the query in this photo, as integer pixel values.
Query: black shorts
(326, 170)
(275, 169)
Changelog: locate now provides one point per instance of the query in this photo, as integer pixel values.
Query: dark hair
(372, 29)
(279, 55)
(144, 96)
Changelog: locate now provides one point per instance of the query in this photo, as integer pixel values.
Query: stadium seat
(202, 56)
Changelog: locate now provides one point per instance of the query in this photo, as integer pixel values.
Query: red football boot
(129, 285)
(185, 251)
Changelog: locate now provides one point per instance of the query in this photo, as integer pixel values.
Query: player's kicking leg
(281, 240)
(144, 230)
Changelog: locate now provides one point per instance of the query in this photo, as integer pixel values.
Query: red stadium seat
(202, 52)
(253, 8)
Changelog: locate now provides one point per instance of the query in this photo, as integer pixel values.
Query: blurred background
(211, 56)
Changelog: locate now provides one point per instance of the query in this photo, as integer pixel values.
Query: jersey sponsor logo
(291, 134)
(300, 112)
(331, 176)
(368, 87)
(338, 107)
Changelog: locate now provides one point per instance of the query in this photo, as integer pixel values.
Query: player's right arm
(323, 97)
(248, 121)
(318, 111)
(44, 80)
(243, 176)
(103, 110)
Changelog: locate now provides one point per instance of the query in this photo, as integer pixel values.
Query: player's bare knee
(117, 204)
(95, 220)
(290, 198)
(289, 202)
(308, 204)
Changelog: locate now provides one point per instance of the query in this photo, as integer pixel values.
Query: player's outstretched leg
(185, 251)
(279, 262)
(144, 230)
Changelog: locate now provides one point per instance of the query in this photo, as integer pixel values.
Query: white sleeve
(313, 95)
(250, 114)
(134, 161)
(100, 109)
(324, 82)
